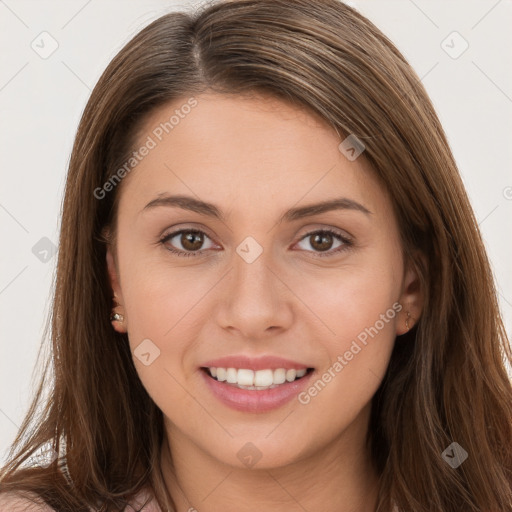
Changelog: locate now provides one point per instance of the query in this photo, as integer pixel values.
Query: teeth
(260, 379)
(279, 376)
(231, 376)
(263, 378)
(245, 377)
(221, 374)
(290, 375)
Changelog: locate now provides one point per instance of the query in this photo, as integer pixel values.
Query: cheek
(168, 306)
(358, 310)
(160, 293)
(359, 305)
(159, 301)
(351, 298)
(160, 310)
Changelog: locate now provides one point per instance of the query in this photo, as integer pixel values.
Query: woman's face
(256, 282)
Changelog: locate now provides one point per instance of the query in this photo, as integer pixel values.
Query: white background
(41, 101)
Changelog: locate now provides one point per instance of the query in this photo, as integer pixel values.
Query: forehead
(244, 150)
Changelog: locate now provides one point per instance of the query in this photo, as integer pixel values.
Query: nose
(257, 301)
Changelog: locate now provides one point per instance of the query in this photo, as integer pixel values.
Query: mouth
(256, 380)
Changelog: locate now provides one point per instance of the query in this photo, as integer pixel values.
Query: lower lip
(252, 400)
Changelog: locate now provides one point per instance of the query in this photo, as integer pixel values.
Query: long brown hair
(447, 379)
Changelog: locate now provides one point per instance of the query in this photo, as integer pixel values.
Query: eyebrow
(210, 210)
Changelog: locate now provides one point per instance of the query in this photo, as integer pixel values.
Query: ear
(119, 326)
(113, 273)
(411, 299)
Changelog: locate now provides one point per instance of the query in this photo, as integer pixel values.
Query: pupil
(189, 241)
(325, 241)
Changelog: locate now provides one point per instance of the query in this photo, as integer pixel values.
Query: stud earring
(409, 317)
(116, 317)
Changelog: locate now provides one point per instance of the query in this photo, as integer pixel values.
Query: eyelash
(347, 244)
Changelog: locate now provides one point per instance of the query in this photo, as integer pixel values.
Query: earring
(409, 317)
(116, 317)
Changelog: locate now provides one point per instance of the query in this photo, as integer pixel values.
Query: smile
(255, 391)
(255, 380)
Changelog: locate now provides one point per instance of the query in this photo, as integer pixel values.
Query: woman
(271, 287)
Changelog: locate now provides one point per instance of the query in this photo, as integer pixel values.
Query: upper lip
(254, 363)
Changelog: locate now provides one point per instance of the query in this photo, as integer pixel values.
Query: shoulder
(14, 502)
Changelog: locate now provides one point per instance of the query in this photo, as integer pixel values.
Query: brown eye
(322, 241)
(190, 241)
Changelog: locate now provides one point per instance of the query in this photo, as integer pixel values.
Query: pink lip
(249, 400)
(252, 363)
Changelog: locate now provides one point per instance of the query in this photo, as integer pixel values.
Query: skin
(256, 157)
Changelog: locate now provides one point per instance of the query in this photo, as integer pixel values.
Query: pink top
(151, 506)
(10, 502)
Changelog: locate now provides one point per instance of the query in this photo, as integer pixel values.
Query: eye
(189, 239)
(322, 241)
